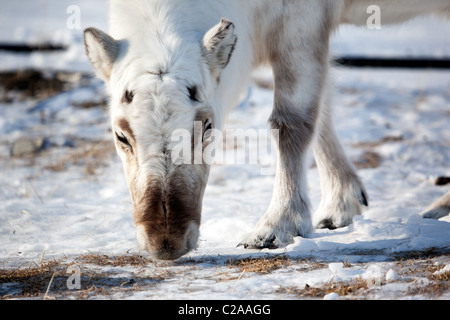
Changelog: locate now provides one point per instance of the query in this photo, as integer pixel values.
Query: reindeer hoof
(260, 243)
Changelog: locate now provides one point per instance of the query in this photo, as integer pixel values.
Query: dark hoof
(260, 243)
(363, 199)
(326, 224)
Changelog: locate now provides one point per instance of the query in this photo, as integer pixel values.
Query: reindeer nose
(167, 251)
(163, 246)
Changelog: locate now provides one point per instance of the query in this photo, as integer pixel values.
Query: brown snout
(167, 211)
(167, 245)
(168, 226)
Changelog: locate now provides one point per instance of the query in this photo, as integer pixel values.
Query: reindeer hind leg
(343, 194)
(438, 209)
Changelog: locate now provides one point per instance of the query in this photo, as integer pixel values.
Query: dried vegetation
(105, 276)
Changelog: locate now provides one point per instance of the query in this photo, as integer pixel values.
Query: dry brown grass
(29, 83)
(40, 85)
(272, 263)
(369, 159)
(32, 280)
(261, 265)
(438, 282)
(432, 290)
(411, 267)
(92, 155)
(115, 261)
(372, 144)
(49, 279)
(356, 287)
(106, 276)
(444, 276)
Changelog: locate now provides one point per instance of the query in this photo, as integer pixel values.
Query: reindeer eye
(123, 140)
(207, 129)
(208, 125)
(128, 97)
(193, 94)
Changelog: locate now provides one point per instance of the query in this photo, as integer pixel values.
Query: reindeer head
(160, 85)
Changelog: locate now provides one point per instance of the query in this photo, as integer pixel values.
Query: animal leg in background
(300, 65)
(343, 193)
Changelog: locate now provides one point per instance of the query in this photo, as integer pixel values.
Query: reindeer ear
(218, 46)
(102, 51)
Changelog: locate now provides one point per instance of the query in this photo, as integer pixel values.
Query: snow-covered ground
(71, 199)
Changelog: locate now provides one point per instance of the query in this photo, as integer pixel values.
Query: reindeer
(168, 64)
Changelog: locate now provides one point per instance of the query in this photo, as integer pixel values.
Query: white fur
(161, 52)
